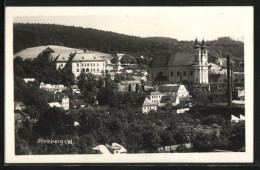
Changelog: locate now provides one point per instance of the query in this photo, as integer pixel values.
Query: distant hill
(32, 35)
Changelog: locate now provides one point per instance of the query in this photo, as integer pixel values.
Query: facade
(181, 67)
(129, 86)
(88, 63)
(65, 102)
(173, 90)
(52, 87)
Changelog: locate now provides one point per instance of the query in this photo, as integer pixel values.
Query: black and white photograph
(129, 84)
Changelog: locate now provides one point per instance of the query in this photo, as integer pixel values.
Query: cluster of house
(19, 115)
(168, 94)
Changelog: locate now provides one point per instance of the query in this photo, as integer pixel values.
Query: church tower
(200, 64)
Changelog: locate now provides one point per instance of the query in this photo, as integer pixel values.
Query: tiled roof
(169, 88)
(168, 99)
(88, 56)
(173, 59)
(181, 58)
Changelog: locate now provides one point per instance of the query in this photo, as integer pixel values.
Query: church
(180, 67)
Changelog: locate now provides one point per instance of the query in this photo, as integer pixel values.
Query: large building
(83, 63)
(181, 67)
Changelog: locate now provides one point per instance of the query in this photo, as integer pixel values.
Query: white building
(65, 102)
(174, 90)
(150, 104)
(88, 63)
(115, 148)
(29, 80)
(53, 88)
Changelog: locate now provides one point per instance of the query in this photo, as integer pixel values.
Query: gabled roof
(48, 50)
(56, 104)
(181, 59)
(176, 58)
(63, 57)
(20, 103)
(160, 60)
(19, 115)
(88, 56)
(168, 99)
(169, 88)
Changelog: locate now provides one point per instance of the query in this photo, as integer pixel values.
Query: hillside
(31, 35)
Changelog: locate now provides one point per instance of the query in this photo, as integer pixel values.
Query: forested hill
(31, 35)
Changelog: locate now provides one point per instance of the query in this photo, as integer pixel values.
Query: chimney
(229, 83)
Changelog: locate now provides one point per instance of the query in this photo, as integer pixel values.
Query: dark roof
(161, 78)
(48, 50)
(168, 99)
(168, 88)
(173, 59)
(214, 77)
(19, 115)
(181, 58)
(160, 60)
(185, 99)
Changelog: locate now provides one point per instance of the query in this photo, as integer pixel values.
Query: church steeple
(203, 44)
(196, 45)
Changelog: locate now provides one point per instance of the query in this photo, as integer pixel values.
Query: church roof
(181, 59)
(160, 60)
(173, 59)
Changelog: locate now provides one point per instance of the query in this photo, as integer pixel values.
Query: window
(97, 64)
(87, 64)
(91, 64)
(77, 70)
(171, 73)
(184, 73)
(191, 73)
(196, 80)
(178, 73)
(97, 69)
(61, 65)
(82, 64)
(77, 64)
(94, 69)
(94, 64)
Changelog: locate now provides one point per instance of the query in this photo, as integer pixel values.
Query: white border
(238, 157)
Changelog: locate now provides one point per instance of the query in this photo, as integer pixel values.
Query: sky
(174, 22)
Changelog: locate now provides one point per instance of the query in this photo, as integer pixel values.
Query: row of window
(88, 64)
(156, 96)
(87, 70)
(183, 73)
(149, 108)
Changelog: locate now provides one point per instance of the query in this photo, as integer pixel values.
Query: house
(173, 90)
(238, 118)
(29, 80)
(52, 88)
(181, 66)
(19, 118)
(19, 106)
(129, 86)
(238, 103)
(65, 102)
(148, 106)
(171, 100)
(75, 104)
(115, 148)
(239, 93)
(55, 104)
(75, 89)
